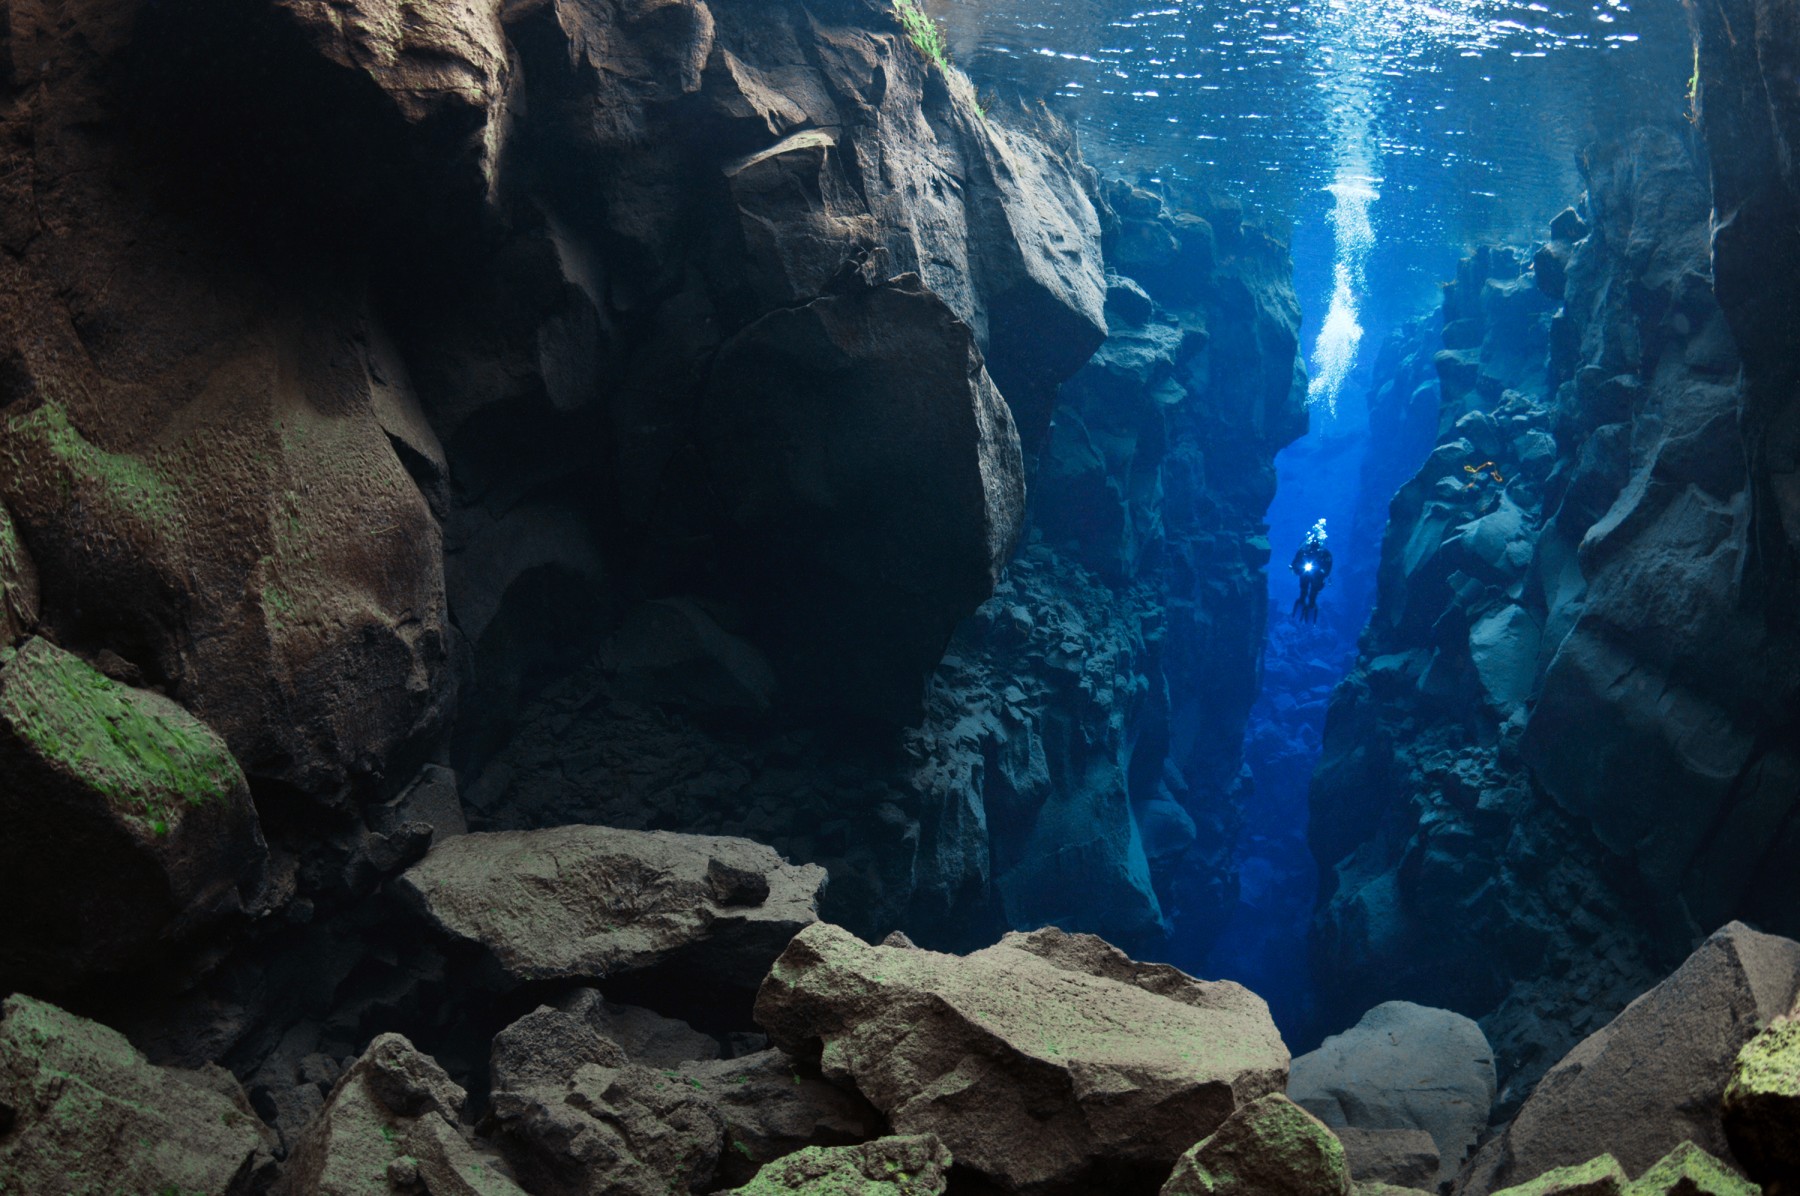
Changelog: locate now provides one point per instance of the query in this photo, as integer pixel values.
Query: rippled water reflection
(1464, 115)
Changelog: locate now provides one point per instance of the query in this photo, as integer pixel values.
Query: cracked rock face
(592, 902)
(1041, 1062)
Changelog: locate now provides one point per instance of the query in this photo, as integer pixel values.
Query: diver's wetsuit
(1312, 565)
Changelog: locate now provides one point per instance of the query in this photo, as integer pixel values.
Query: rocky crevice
(1557, 762)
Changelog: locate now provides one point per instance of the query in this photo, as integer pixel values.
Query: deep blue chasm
(1463, 123)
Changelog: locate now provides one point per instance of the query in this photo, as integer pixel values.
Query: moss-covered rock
(18, 584)
(1762, 1105)
(1596, 1177)
(1690, 1171)
(82, 1113)
(128, 824)
(146, 756)
(1381, 1189)
(1270, 1147)
(908, 1165)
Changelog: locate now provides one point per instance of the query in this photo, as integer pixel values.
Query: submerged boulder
(1270, 1147)
(907, 1165)
(1654, 1076)
(593, 902)
(1685, 1171)
(1689, 1171)
(578, 1119)
(392, 1125)
(129, 827)
(1046, 1062)
(1406, 1158)
(1402, 1067)
(83, 1111)
(1600, 1176)
(773, 1108)
(1762, 1106)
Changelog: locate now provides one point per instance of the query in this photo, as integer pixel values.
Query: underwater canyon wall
(419, 418)
(1566, 752)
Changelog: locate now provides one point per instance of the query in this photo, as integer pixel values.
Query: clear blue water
(1458, 120)
(1385, 138)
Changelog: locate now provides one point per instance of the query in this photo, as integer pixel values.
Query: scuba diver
(1312, 565)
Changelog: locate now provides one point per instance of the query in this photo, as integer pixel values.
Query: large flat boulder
(82, 1111)
(595, 902)
(1046, 1062)
(129, 826)
(1403, 1067)
(1398, 1158)
(1654, 1076)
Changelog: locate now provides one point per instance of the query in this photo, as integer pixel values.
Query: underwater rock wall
(1078, 756)
(366, 368)
(1113, 784)
(1562, 757)
(499, 417)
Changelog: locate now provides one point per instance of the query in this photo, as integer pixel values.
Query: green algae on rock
(1596, 1177)
(1762, 1104)
(1690, 1171)
(90, 1116)
(18, 584)
(144, 753)
(905, 1165)
(1270, 1147)
(127, 484)
(129, 824)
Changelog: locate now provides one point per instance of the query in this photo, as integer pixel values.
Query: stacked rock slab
(1044, 1062)
(82, 1111)
(579, 1119)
